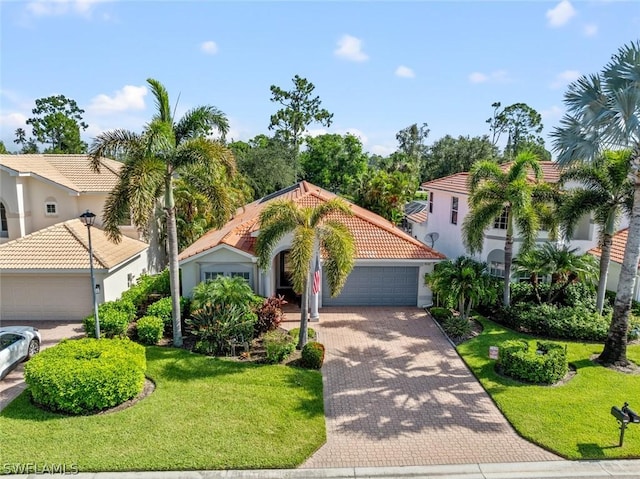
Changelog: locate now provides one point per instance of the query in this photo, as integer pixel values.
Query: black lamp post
(88, 218)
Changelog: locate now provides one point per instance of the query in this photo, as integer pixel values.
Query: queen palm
(313, 230)
(495, 191)
(153, 159)
(603, 113)
(606, 193)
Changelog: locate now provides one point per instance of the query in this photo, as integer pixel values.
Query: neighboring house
(618, 245)
(448, 205)
(45, 275)
(414, 221)
(37, 191)
(389, 267)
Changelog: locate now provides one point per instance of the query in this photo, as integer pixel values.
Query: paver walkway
(397, 394)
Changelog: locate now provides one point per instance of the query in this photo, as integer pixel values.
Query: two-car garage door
(376, 286)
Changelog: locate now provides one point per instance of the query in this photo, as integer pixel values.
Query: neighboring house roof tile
(618, 245)
(375, 237)
(66, 246)
(457, 183)
(70, 171)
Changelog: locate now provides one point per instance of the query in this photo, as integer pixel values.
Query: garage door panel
(44, 297)
(376, 286)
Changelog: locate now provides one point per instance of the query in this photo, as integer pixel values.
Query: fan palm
(152, 160)
(606, 192)
(603, 113)
(494, 191)
(312, 229)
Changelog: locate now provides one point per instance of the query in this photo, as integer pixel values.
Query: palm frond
(162, 101)
(339, 244)
(335, 205)
(276, 220)
(300, 256)
(481, 217)
(112, 144)
(212, 155)
(484, 170)
(200, 122)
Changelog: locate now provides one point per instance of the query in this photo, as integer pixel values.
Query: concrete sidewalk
(520, 470)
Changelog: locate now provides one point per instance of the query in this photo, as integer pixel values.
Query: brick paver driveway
(397, 394)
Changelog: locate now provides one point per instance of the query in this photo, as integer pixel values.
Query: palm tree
(567, 266)
(607, 192)
(313, 230)
(603, 113)
(494, 192)
(532, 263)
(152, 161)
(464, 283)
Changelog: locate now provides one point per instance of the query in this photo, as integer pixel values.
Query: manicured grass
(572, 419)
(205, 413)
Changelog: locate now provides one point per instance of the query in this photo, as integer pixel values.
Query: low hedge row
(278, 345)
(150, 329)
(114, 317)
(547, 364)
(86, 375)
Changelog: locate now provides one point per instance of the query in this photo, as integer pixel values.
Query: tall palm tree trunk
(174, 273)
(605, 256)
(615, 346)
(304, 316)
(508, 260)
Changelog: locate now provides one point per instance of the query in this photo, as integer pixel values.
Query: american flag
(316, 278)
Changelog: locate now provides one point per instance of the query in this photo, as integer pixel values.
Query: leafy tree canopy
(450, 155)
(385, 193)
(3, 149)
(267, 164)
(523, 126)
(299, 109)
(56, 122)
(334, 162)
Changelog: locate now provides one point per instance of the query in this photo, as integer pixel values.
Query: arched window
(4, 228)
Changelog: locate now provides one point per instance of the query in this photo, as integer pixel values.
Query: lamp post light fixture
(88, 219)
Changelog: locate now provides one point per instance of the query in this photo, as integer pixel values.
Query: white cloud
(358, 134)
(350, 48)
(590, 29)
(498, 76)
(382, 150)
(564, 78)
(552, 114)
(315, 132)
(405, 72)
(128, 98)
(43, 8)
(560, 14)
(10, 121)
(209, 47)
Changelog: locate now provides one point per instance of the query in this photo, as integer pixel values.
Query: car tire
(34, 348)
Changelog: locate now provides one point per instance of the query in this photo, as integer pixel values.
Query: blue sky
(378, 66)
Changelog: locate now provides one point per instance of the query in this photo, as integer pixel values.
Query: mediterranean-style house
(448, 205)
(44, 251)
(389, 264)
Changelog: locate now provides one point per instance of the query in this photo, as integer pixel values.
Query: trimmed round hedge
(86, 375)
(313, 355)
(547, 364)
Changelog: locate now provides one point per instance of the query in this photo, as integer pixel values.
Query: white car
(17, 344)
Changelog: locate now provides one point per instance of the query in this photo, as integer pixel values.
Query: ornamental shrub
(278, 345)
(312, 355)
(226, 290)
(269, 314)
(456, 327)
(295, 333)
(114, 317)
(214, 326)
(146, 285)
(163, 309)
(150, 329)
(440, 314)
(547, 364)
(86, 375)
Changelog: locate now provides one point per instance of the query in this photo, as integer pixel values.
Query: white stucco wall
(113, 284)
(614, 275)
(450, 241)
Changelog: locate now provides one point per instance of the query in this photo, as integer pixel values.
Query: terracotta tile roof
(70, 171)
(375, 237)
(66, 246)
(618, 246)
(457, 183)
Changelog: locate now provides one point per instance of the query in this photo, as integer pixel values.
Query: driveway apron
(396, 393)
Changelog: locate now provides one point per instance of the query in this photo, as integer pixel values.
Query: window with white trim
(431, 202)
(454, 210)
(210, 276)
(500, 222)
(50, 208)
(496, 269)
(4, 225)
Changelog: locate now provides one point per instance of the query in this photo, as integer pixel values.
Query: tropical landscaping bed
(205, 413)
(572, 418)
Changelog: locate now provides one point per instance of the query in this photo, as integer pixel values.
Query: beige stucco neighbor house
(44, 258)
(389, 266)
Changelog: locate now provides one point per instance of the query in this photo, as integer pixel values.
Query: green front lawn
(205, 413)
(572, 419)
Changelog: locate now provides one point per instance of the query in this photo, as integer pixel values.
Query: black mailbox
(633, 417)
(619, 414)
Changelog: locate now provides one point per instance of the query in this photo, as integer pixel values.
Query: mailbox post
(624, 416)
